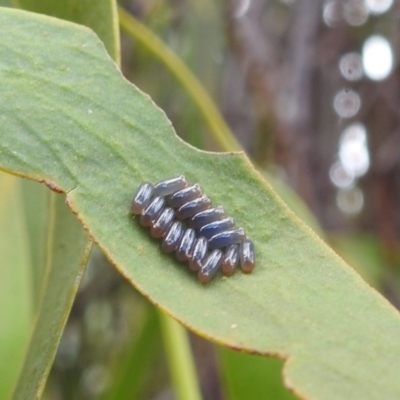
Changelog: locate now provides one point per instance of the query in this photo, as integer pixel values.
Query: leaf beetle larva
(183, 218)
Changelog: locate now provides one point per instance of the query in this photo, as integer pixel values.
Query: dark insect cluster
(183, 217)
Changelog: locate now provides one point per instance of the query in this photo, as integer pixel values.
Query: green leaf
(68, 250)
(69, 244)
(15, 284)
(35, 201)
(101, 16)
(79, 126)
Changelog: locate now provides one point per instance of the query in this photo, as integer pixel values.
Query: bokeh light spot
(340, 177)
(332, 13)
(350, 201)
(377, 57)
(347, 103)
(353, 150)
(350, 66)
(355, 12)
(378, 6)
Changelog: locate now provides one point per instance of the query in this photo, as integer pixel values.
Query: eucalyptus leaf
(70, 119)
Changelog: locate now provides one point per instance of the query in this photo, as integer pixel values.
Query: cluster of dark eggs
(183, 217)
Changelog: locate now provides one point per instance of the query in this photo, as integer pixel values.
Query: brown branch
(256, 59)
(298, 123)
(259, 57)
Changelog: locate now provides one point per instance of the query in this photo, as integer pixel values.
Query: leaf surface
(79, 126)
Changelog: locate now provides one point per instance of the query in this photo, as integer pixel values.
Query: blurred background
(311, 91)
